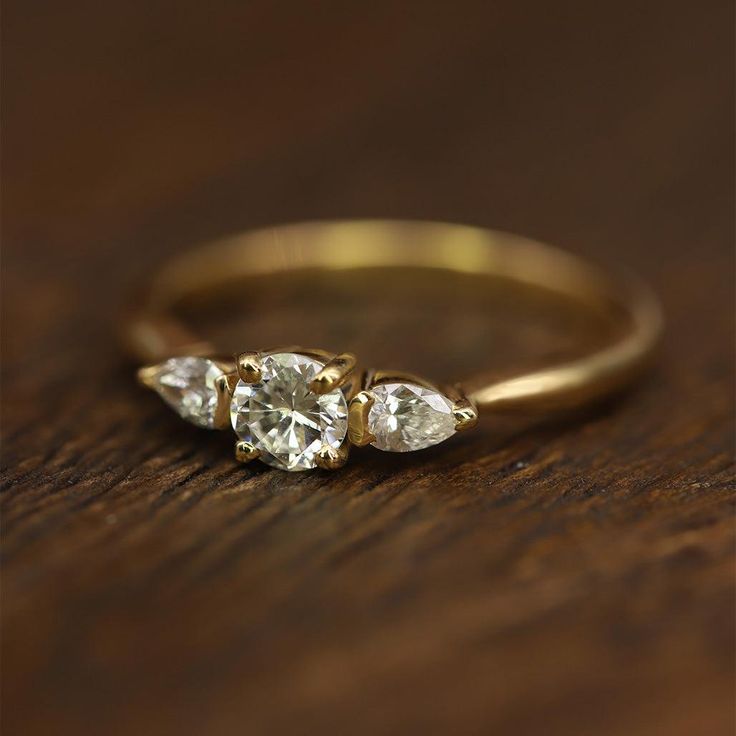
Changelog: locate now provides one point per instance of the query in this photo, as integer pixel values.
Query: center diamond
(286, 421)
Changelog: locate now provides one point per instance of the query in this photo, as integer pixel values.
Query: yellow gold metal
(156, 332)
(464, 410)
(249, 367)
(334, 374)
(146, 375)
(245, 452)
(358, 410)
(465, 414)
(224, 387)
(331, 458)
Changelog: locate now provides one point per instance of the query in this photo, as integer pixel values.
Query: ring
(297, 409)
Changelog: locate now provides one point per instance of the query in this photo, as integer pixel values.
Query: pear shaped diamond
(187, 385)
(406, 417)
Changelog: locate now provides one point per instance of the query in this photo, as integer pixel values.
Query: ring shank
(155, 332)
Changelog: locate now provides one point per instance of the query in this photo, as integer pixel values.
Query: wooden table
(568, 578)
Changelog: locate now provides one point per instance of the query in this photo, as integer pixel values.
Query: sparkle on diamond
(187, 385)
(406, 417)
(282, 418)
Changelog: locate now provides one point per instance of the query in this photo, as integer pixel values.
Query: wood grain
(566, 578)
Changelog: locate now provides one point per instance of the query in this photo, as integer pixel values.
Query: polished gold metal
(245, 452)
(334, 374)
(224, 387)
(358, 410)
(249, 367)
(330, 458)
(147, 374)
(464, 411)
(156, 332)
(465, 414)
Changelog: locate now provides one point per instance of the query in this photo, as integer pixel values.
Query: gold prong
(334, 374)
(147, 375)
(464, 411)
(249, 367)
(224, 387)
(331, 458)
(465, 414)
(358, 410)
(245, 452)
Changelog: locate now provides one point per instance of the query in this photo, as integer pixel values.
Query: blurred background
(132, 130)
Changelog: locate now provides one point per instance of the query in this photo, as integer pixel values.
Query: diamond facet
(286, 421)
(406, 417)
(187, 385)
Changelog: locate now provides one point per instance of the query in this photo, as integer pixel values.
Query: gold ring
(298, 409)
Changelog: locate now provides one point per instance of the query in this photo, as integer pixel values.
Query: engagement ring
(301, 408)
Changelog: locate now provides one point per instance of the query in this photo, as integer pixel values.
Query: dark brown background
(573, 578)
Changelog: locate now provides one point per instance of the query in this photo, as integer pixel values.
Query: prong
(147, 375)
(358, 410)
(249, 367)
(224, 387)
(334, 374)
(465, 414)
(331, 458)
(245, 452)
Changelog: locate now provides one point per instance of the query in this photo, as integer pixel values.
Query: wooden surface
(572, 578)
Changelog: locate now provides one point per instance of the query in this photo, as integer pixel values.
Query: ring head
(283, 418)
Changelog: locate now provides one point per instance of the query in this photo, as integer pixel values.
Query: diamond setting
(406, 417)
(281, 417)
(187, 385)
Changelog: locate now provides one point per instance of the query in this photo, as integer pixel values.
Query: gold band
(155, 332)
